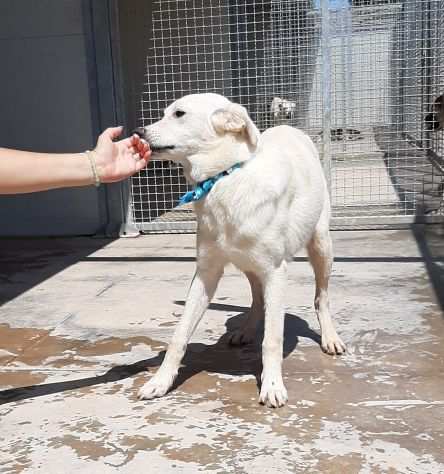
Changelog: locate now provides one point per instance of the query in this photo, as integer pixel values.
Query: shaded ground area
(384, 174)
(83, 324)
(418, 180)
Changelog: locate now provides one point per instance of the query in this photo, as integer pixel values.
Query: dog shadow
(217, 358)
(223, 358)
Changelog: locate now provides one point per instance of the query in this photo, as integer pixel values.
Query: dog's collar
(204, 187)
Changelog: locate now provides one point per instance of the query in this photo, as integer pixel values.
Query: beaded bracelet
(92, 162)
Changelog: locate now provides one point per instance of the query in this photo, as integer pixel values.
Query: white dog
(269, 199)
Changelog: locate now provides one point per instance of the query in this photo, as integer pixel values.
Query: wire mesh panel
(381, 83)
(387, 76)
(435, 103)
(417, 91)
(361, 42)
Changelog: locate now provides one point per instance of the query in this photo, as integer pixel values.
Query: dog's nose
(140, 131)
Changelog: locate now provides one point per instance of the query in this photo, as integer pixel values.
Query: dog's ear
(235, 119)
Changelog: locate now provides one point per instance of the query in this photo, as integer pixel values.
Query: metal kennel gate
(363, 78)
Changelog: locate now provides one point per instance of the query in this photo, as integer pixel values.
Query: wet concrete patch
(13, 341)
(29, 347)
(10, 379)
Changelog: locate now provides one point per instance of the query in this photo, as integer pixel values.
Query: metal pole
(326, 90)
(427, 72)
(348, 64)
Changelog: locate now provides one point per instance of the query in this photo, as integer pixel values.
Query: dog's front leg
(273, 392)
(202, 289)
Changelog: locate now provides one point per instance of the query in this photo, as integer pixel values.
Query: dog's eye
(179, 113)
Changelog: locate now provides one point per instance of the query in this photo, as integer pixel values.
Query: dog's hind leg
(247, 332)
(320, 254)
(202, 289)
(273, 392)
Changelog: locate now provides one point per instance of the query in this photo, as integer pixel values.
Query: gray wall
(47, 104)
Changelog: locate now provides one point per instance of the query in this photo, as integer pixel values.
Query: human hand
(116, 161)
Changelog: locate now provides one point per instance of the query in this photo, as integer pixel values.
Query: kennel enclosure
(360, 77)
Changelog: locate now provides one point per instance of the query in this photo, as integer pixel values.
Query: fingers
(140, 147)
(140, 164)
(112, 132)
(141, 151)
(135, 140)
(144, 150)
(144, 158)
(134, 143)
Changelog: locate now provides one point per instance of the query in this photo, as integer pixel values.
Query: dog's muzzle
(140, 131)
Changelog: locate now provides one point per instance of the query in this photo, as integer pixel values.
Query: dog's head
(282, 109)
(206, 133)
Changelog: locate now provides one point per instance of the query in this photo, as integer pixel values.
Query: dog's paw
(333, 345)
(241, 336)
(156, 387)
(273, 393)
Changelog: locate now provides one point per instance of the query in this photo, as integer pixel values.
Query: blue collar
(204, 187)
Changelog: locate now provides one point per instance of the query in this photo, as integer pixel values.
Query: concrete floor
(84, 322)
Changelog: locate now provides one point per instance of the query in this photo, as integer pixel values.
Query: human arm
(25, 172)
